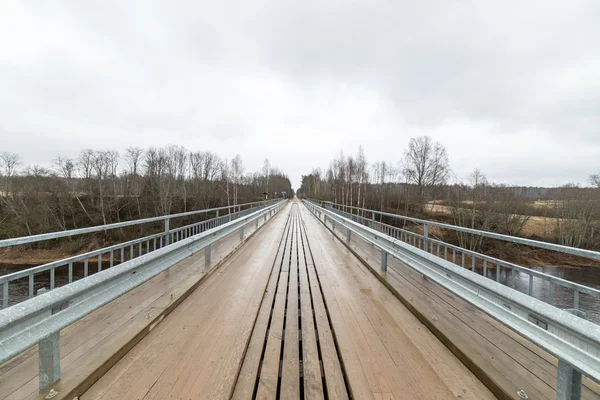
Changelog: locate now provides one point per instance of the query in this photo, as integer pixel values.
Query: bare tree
(86, 160)
(226, 177)
(361, 171)
(595, 180)
(237, 174)
(156, 181)
(382, 172)
(266, 171)
(478, 185)
(9, 163)
(101, 168)
(133, 157)
(67, 168)
(426, 163)
(178, 170)
(575, 216)
(85, 163)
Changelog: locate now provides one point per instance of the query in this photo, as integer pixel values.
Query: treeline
(422, 185)
(104, 186)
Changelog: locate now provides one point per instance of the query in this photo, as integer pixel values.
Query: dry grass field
(535, 225)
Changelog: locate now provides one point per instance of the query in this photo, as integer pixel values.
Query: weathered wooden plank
(269, 374)
(247, 378)
(313, 382)
(335, 385)
(290, 368)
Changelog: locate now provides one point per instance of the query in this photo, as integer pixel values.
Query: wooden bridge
(290, 312)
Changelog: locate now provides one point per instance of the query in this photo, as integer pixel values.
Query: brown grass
(535, 226)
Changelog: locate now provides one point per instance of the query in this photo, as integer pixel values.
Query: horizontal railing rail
(439, 247)
(99, 228)
(594, 255)
(39, 320)
(574, 341)
(117, 254)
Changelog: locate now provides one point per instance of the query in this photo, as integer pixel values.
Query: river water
(19, 290)
(563, 298)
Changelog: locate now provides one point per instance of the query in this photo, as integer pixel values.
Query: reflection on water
(18, 290)
(563, 297)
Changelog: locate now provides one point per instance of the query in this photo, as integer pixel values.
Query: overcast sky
(511, 87)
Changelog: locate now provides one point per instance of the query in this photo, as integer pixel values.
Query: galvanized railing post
(348, 234)
(550, 293)
(5, 295)
(49, 361)
(242, 233)
(384, 260)
(426, 235)
(568, 385)
(207, 251)
(167, 230)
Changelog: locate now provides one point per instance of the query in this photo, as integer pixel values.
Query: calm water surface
(563, 297)
(19, 290)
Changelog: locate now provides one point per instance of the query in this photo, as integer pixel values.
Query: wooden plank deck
(92, 345)
(294, 343)
(504, 361)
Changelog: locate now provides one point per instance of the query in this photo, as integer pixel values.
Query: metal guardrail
(594, 255)
(99, 228)
(447, 251)
(39, 320)
(574, 341)
(117, 253)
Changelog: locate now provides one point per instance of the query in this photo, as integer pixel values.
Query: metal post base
(568, 385)
(207, 251)
(49, 361)
(384, 259)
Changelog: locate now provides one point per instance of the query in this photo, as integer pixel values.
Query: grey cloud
(277, 78)
(504, 62)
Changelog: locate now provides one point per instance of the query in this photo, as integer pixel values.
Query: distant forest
(421, 185)
(101, 187)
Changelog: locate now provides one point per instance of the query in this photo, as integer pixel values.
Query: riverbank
(13, 259)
